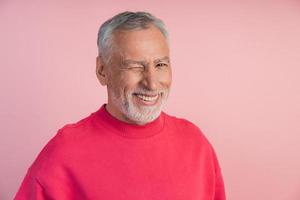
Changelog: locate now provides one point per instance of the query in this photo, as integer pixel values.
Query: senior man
(128, 149)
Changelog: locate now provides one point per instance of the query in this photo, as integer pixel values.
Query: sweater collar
(130, 130)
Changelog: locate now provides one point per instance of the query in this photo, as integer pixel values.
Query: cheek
(115, 86)
(170, 78)
(166, 79)
(130, 81)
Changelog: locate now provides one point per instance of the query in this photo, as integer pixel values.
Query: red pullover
(103, 158)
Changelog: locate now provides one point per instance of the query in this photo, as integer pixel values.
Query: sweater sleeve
(219, 187)
(219, 183)
(31, 189)
(48, 177)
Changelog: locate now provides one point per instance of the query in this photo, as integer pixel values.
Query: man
(128, 149)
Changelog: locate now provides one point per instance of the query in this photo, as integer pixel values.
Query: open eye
(161, 65)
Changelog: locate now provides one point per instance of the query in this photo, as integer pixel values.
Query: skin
(139, 62)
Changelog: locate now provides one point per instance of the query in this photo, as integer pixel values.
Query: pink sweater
(102, 158)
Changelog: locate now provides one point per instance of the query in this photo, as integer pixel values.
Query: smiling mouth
(147, 98)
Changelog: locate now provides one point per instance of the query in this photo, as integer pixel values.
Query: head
(134, 64)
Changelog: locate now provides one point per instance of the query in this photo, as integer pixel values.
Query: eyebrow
(164, 59)
(129, 61)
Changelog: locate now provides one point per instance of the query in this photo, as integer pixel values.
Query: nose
(150, 78)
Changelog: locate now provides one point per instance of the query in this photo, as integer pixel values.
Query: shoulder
(60, 148)
(196, 139)
(76, 129)
(187, 128)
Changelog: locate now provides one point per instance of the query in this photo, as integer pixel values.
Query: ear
(101, 71)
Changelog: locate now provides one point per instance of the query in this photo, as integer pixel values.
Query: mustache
(150, 92)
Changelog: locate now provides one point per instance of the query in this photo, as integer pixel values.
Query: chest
(149, 172)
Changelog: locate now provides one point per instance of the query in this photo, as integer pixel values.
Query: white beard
(142, 114)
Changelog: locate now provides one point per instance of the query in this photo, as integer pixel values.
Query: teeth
(147, 98)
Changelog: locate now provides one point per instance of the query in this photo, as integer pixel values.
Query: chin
(142, 114)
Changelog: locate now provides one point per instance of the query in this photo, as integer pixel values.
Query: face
(139, 76)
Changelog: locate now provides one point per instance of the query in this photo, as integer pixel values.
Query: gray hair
(125, 21)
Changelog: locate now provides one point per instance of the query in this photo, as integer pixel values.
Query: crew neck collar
(130, 130)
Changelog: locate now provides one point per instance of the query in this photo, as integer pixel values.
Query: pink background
(236, 73)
